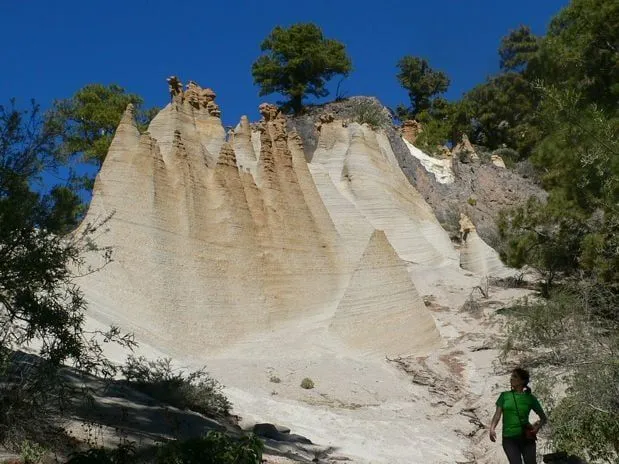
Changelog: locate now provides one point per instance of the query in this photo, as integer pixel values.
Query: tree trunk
(296, 103)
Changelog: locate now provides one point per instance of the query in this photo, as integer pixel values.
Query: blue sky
(52, 48)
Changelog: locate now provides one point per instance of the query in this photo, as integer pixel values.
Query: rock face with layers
(381, 305)
(476, 255)
(219, 243)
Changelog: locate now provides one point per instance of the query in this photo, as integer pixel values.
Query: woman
(515, 406)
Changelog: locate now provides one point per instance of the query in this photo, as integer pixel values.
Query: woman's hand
(537, 426)
(494, 422)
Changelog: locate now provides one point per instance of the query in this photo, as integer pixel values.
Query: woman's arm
(495, 422)
(542, 415)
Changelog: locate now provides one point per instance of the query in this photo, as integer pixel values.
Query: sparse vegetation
(450, 221)
(196, 390)
(87, 121)
(471, 305)
(307, 383)
(40, 302)
(369, 111)
(31, 452)
(124, 453)
(214, 448)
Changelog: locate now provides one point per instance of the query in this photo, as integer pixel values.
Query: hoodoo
(217, 244)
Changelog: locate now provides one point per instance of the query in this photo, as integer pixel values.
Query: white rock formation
(477, 256)
(441, 168)
(216, 244)
(497, 161)
(364, 170)
(381, 305)
(242, 255)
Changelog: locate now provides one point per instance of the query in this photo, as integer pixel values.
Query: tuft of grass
(307, 383)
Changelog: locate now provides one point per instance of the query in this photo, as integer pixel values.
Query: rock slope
(267, 257)
(219, 240)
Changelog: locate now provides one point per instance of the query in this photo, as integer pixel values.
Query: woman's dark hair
(523, 375)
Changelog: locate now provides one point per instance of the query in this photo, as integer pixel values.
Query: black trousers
(517, 448)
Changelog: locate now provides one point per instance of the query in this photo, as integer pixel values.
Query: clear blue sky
(50, 48)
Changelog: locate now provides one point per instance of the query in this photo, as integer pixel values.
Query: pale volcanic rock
(244, 256)
(465, 151)
(476, 255)
(243, 146)
(269, 111)
(175, 87)
(441, 168)
(497, 161)
(411, 130)
(327, 171)
(311, 195)
(368, 191)
(390, 202)
(381, 312)
(221, 255)
(189, 113)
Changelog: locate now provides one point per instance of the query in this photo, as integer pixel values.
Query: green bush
(577, 428)
(32, 453)
(307, 383)
(196, 391)
(370, 112)
(214, 448)
(124, 453)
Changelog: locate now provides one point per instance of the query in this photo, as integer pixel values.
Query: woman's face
(515, 381)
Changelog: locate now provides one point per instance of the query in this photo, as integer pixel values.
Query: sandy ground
(429, 408)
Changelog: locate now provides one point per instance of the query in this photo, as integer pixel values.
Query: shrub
(369, 111)
(124, 453)
(526, 170)
(214, 448)
(509, 156)
(472, 201)
(275, 379)
(196, 391)
(307, 383)
(450, 221)
(32, 453)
